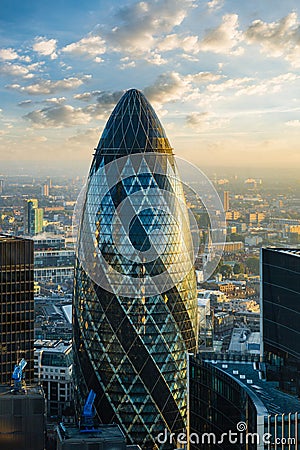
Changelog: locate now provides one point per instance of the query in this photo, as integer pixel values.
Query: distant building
(1, 185)
(53, 365)
(226, 200)
(255, 217)
(33, 217)
(22, 419)
(47, 241)
(17, 305)
(53, 265)
(280, 306)
(45, 190)
(233, 215)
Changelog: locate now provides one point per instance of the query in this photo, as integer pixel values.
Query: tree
(252, 264)
(238, 268)
(225, 270)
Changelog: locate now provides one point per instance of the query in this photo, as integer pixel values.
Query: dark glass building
(135, 312)
(16, 305)
(233, 407)
(280, 308)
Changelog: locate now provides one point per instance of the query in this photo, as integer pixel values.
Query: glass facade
(131, 342)
(16, 306)
(281, 316)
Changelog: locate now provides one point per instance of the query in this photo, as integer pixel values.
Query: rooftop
(104, 433)
(265, 394)
(52, 346)
(287, 251)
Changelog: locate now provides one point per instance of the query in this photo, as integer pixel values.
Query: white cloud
(205, 121)
(215, 4)
(277, 39)
(175, 41)
(141, 23)
(204, 77)
(8, 54)
(50, 87)
(225, 38)
(232, 83)
(45, 47)
(58, 116)
(293, 123)
(91, 46)
(15, 70)
(268, 86)
(168, 87)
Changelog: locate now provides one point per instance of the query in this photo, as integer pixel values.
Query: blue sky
(222, 75)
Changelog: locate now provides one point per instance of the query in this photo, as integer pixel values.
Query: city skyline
(223, 77)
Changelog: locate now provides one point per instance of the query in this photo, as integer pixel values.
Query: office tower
(45, 190)
(53, 365)
(1, 185)
(280, 307)
(33, 217)
(226, 201)
(16, 305)
(22, 419)
(131, 343)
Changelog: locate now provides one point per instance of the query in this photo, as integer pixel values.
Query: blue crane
(88, 414)
(18, 375)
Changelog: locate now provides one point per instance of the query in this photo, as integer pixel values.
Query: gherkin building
(134, 302)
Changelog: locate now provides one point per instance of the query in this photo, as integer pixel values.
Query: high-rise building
(53, 363)
(1, 185)
(280, 306)
(33, 217)
(226, 201)
(16, 305)
(45, 190)
(130, 345)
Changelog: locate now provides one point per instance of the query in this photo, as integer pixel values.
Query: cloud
(215, 4)
(205, 121)
(50, 87)
(268, 86)
(277, 39)
(141, 23)
(45, 47)
(232, 83)
(8, 54)
(91, 46)
(174, 41)
(225, 38)
(15, 70)
(106, 98)
(168, 87)
(204, 77)
(293, 123)
(58, 116)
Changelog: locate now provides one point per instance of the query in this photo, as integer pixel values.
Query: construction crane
(88, 414)
(18, 375)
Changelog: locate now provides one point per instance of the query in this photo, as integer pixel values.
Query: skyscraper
(33, 217)
(16, 305)
(226, 201)
(135, 307)
(280, 306)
